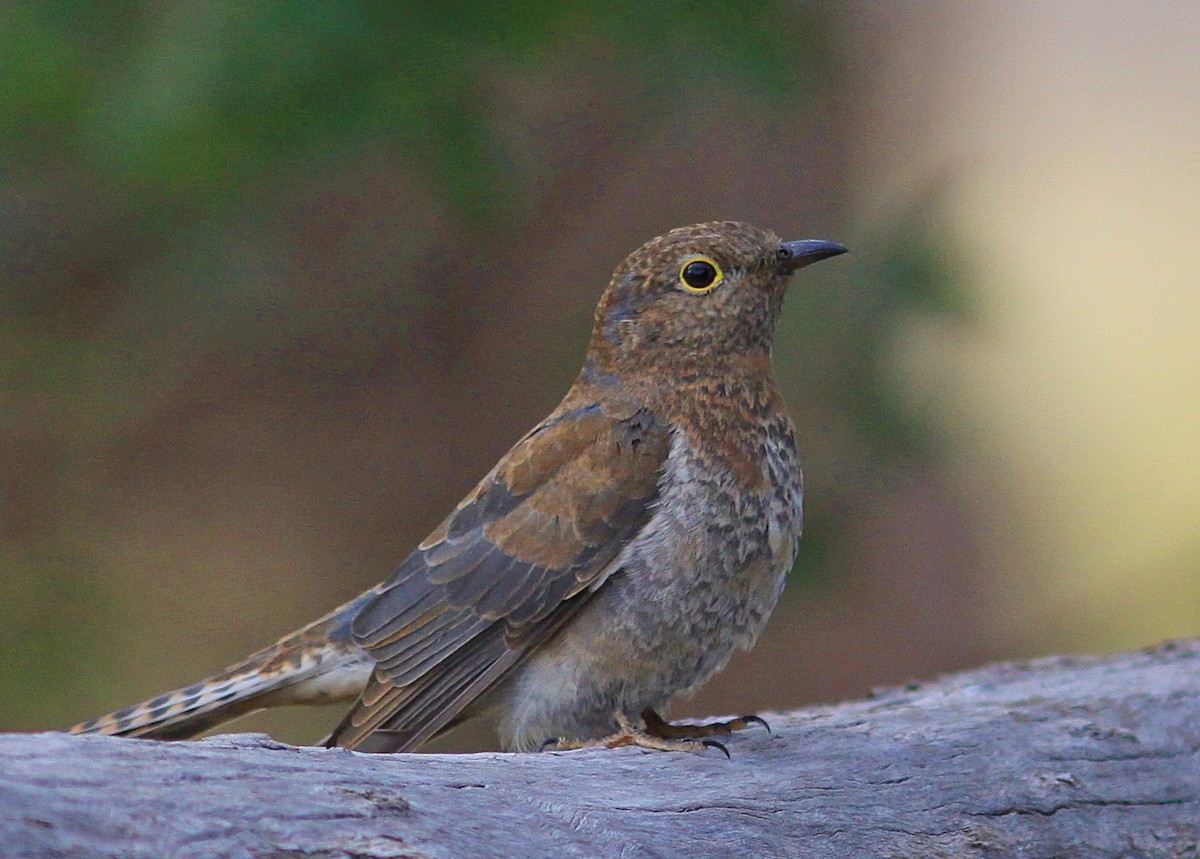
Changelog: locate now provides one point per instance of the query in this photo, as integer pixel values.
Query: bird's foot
(660, 735)
(657, 726)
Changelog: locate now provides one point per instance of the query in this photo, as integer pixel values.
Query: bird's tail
(315, 665)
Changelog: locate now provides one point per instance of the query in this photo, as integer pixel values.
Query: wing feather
(518, 556)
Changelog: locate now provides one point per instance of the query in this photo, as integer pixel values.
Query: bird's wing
(517, 557)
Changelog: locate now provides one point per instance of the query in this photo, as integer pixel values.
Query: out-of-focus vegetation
(280, 281)
(183, 106)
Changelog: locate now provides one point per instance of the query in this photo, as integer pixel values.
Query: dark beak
(796, 255)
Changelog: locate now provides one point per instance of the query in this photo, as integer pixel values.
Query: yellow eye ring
(700, 275)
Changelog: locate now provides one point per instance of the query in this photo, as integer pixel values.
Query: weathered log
(1060, 757)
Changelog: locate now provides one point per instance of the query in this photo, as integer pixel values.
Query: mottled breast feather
(518, 556)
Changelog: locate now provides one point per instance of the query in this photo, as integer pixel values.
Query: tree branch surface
(1060, 757)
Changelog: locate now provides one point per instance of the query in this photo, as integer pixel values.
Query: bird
(613, 559)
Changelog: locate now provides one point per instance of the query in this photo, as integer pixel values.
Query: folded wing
(518, 556)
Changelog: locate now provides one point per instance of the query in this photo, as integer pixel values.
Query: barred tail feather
(316, 665)
(185, 712)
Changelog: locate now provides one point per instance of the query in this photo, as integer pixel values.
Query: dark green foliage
(189, 102)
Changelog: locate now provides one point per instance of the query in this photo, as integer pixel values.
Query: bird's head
(697, 292)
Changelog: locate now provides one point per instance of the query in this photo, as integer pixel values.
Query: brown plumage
(613, 558)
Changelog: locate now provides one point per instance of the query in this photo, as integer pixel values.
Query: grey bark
(1061, 757)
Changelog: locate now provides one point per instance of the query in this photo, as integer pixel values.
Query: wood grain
(1061, 757)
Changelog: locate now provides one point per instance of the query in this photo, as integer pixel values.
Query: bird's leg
(659, 734)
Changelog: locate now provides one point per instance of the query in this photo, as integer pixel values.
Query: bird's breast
(724, 536)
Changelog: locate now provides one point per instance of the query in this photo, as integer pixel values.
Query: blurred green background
(281, 281)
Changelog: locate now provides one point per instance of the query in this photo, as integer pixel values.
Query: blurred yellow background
(281, 281)
(1074, 135)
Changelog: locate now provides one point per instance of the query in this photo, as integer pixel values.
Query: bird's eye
(700, 274)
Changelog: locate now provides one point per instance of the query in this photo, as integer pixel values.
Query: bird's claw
(759, 720)
(713, 744)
